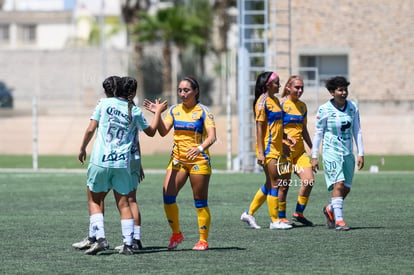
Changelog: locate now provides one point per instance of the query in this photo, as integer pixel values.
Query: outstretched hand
(154, 106)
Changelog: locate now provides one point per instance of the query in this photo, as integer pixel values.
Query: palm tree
(131, 10)
(178, 26)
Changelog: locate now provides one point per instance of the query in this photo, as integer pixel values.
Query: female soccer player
(194, 133)
(118, 119)
(269, 149)
(337, 124)
(110, 85)
(294, 125)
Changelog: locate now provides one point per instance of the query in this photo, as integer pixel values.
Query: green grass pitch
(42, 214)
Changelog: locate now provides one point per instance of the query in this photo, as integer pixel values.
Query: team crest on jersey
(177, 113)
(194, 115)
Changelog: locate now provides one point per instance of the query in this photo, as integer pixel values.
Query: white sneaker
(279, 225)
(251, 221)
(84, 244)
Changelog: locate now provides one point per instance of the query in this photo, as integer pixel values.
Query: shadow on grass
(159, 249)
(366, 227)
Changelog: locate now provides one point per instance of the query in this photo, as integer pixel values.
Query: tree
(178, 25)
(131, 10)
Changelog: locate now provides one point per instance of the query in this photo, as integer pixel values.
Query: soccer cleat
(201, 246)
(301, 219)
(330, 220)
(279, 225)
(126, 250)
(85, 243)
(341, 226)
(250, 220)
(136, 244)
(286, 221)
(175, 240)
(100, 245)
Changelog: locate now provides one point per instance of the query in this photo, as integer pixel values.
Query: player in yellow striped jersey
(194, 133)
(294, 125)
(269, 149)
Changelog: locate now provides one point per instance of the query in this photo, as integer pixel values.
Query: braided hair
(128, 90)
(110, 85)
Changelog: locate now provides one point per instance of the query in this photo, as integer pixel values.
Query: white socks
(337, 205)
(137, 232)
(96, 226)
(127, 230)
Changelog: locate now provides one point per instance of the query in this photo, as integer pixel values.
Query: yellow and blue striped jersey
(190, 129)
(294, 121)
(268, 110)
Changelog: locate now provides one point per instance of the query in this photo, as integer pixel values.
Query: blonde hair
(288, 84)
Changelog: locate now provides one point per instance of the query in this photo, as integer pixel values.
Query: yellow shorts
(190, 168)
(300, 161)
(283, 164)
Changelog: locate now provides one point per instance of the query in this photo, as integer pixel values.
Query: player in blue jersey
(194, 133)
(269, 150)
(295, 125)
(337, 126)
(109, 168)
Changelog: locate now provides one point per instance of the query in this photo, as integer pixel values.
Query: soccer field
(42, 214)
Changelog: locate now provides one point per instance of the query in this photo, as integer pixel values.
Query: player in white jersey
(337, 126)
(119, 120)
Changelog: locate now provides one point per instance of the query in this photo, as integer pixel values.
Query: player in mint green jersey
(337, 127)
(109, 168)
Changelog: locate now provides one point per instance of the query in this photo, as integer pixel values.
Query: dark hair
(128, 90)
(194, 85)
(260, 87)
(338, 81)
(111, 85)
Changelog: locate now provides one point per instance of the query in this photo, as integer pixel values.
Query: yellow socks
(171, 212)
(258, 200)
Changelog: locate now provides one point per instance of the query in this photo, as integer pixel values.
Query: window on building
(4, 33)
(27, 34)
(316, 69)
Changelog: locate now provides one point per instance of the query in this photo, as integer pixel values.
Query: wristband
(200, 148)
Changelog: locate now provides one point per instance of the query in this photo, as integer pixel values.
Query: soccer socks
(171, 212)
(273, 204)
(127, 227)
(337, 205)
(281, 213)
(204, 218)
(96, 226)
(137, 232)
(258, 200)
(301, 204)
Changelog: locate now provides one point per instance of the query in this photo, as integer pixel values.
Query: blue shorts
(102, 179)
(338, 168)
(135, 166)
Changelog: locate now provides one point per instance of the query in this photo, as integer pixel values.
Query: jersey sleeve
(260, 109)
(97, 112)
(357, 133)
(209, 118)
(169, 119)
(140, 120)
(320, 127)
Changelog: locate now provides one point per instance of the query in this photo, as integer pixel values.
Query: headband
(272, 77)
(191, 81)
